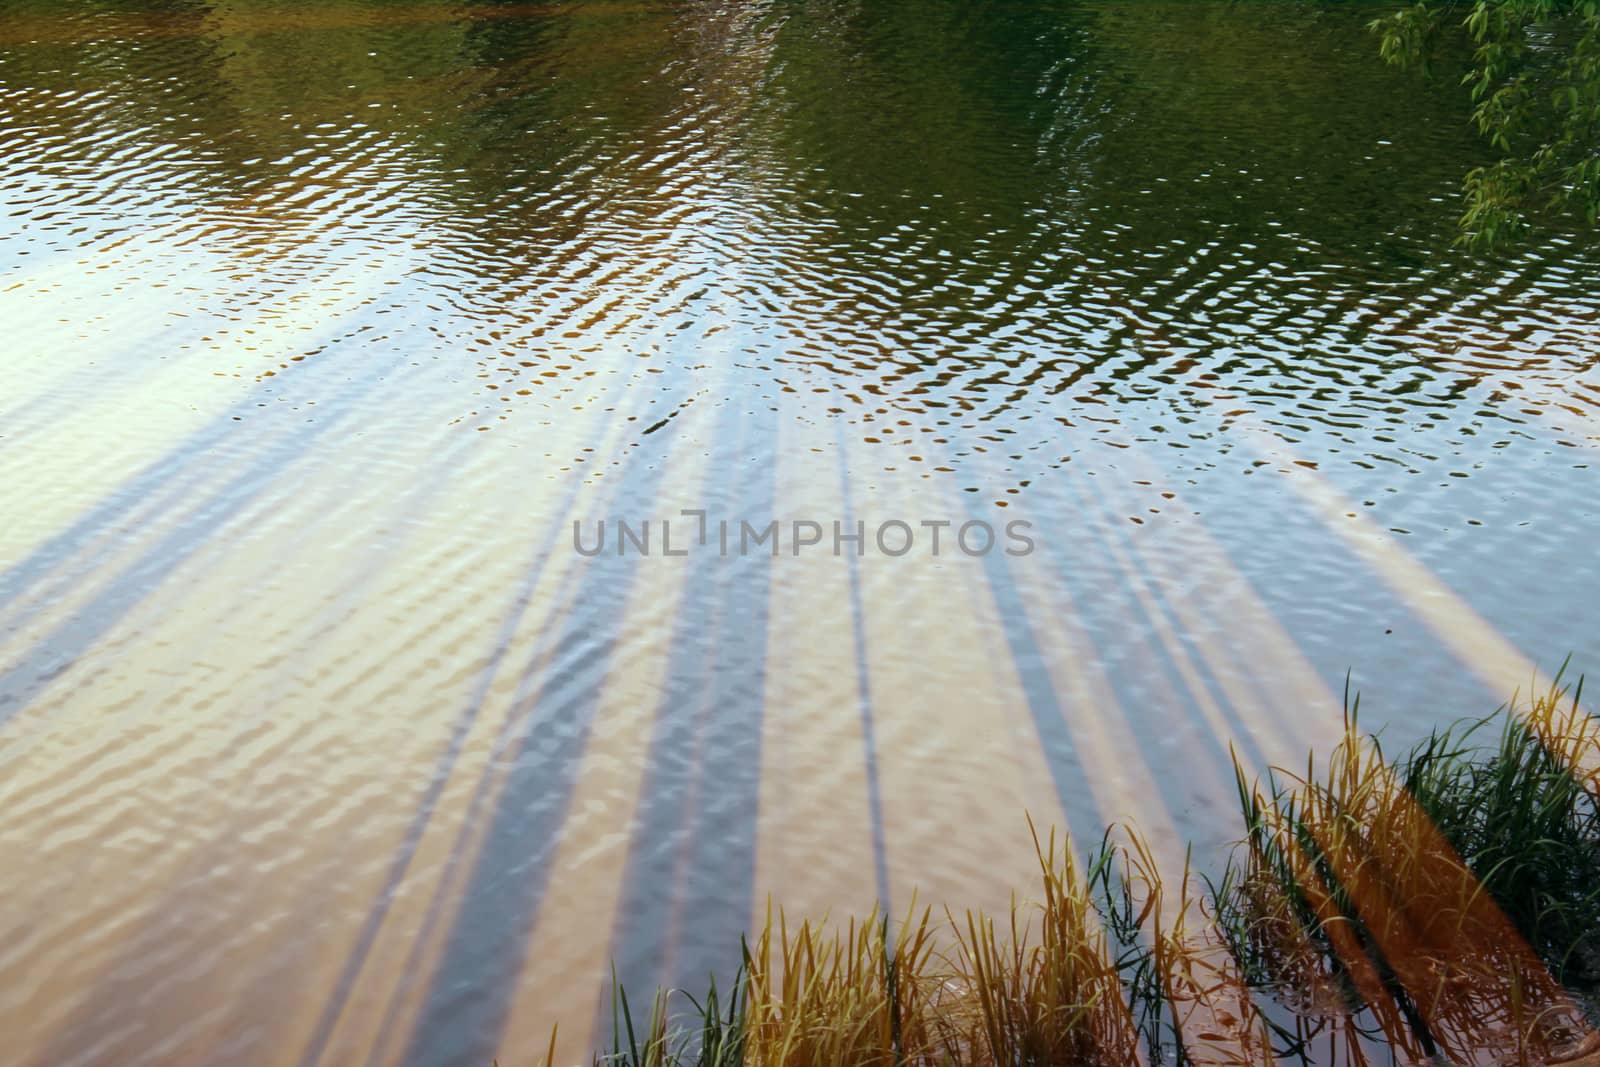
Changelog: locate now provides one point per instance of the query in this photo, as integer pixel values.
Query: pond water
(322, 742)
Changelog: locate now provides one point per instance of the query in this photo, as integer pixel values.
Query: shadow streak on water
(345, 983)
(1050, 717)
(1145, 663)
(869, 732)
(694, 836)
(470, 996)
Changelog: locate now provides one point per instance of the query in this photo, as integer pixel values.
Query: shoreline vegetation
(1439, 908)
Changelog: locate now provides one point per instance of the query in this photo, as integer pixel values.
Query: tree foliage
(1534, 77)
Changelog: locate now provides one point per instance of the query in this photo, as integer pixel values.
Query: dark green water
(321, 742)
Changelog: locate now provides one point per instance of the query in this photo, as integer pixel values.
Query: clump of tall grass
(1047, 991)
(1524, 815)
(1040, 988)
(1447, 893)
(856, 999)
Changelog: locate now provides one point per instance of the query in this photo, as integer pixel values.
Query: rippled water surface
(323, 322)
